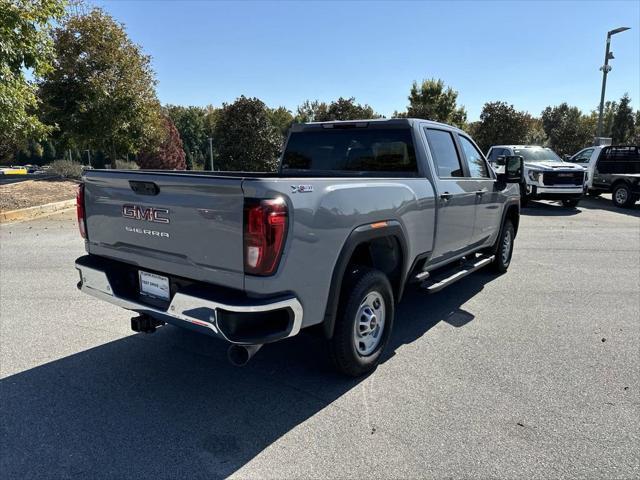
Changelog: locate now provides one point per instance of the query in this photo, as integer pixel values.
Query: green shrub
(125, 165)
(67, 169)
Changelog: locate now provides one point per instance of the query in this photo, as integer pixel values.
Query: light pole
(89, 156)
(211, 152)
(608, 55)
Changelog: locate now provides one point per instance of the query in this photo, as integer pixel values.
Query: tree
(535, 133)
(48, 151)
(245, 138)
(25, 46)
(501, 124)
(608, 114)
(430, 100)
(311, 111)
(191, 123)
(622, 129)
(636, 135)
(567, 128)
(101, 91)
(340, 109)
(280, 118)
(169, 155)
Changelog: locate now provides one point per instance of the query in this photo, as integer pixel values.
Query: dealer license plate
(154, 285)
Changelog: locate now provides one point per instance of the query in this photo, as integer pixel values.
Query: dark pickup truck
(614, 169)
(355, 212)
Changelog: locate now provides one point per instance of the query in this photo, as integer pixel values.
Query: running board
(434, 285)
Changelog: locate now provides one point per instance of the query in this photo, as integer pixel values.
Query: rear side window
(351, 150)
(619, 160)
(445, 155)
(477, 165)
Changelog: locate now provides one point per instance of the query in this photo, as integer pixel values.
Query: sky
(529, 54)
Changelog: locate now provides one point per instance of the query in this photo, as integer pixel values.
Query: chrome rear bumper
(191, 311)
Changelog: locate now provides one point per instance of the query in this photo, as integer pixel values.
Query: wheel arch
(512, 212)
(380, 245)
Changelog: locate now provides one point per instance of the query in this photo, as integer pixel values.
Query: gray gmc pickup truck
(356, 211)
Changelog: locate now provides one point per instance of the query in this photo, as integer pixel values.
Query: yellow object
(14, 171)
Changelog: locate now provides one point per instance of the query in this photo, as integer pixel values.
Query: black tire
(622, 196)
(342, 346)
(503, 258)
(524, 198)
(573, 203)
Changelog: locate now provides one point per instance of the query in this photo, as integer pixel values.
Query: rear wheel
(622, 196)
(573, 203)
(504, 248)
(364, 323)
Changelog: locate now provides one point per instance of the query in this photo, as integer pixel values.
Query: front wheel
(622, 196)
(504, 249)
(573, 203)
(364, 323)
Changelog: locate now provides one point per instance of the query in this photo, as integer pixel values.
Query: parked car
(612, 169)
(546, 175)
(355, 212)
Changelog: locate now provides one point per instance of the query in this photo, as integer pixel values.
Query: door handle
(445, 196)
(481, 192)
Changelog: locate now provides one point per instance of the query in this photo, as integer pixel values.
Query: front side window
(477, 165)
(445, 155)
(583, 156)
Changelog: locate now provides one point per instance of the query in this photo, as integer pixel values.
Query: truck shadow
(169, 405)
(551, 209)
(605, 203)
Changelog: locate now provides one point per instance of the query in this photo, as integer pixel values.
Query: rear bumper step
(248, 322)
(436, 284)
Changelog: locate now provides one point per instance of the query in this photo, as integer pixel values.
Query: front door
(455, 196)
(488, 205)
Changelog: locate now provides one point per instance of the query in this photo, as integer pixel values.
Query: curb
(37, 211)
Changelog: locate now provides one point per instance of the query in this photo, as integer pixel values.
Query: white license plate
(154, 285)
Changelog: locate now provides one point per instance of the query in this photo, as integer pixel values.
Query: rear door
(169, 223)
(488, 205)
(455, 195)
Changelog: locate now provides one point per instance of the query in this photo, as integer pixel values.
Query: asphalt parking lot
(532, 374)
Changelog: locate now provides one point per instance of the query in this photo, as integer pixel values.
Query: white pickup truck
(546, 175)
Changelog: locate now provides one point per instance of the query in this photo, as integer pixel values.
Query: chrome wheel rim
(506, 247)
(621, 195)
(369, 325)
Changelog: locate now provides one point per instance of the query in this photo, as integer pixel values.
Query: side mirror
(566, 157)
(500, 160)
(514, 170)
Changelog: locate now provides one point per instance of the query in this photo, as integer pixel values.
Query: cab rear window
(619, 160)
(351, 150)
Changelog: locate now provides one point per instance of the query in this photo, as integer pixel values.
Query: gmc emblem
(149, 214)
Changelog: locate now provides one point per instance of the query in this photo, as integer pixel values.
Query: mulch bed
(31, 193)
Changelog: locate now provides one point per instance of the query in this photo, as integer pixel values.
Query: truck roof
(517, 146)
(377, 122)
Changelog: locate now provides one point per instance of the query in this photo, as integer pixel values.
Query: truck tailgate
(180, 224)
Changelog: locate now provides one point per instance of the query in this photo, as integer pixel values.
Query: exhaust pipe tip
(239, 355)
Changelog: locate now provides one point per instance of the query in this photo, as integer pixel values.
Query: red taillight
(265, 230)
(80, 210)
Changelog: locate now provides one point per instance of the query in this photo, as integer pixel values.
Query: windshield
(537, 154)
